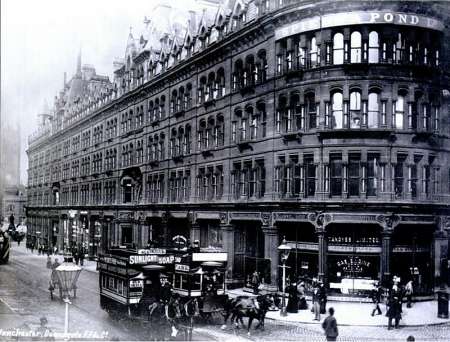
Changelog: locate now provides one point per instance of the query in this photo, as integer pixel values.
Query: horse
(251, 307)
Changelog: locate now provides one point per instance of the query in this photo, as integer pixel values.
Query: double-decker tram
(131, 280)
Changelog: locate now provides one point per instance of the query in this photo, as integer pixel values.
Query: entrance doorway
(248, 242)
(412, 257)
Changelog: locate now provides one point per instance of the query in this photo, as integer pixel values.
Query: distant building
(14, 202)
(244, 123)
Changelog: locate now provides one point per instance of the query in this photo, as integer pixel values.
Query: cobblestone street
(24, 299)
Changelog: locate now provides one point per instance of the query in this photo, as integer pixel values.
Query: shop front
(412, 257)
(353, 257)
(304, 256)
(95, 235)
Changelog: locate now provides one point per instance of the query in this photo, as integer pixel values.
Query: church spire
(79, 63)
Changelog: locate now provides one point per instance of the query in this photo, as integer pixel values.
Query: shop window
(355, 44)
(374, 52)
(211, 235)
(336, 174)
(337, 110)
(338, 49)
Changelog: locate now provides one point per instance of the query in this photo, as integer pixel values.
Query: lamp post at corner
(67, 275)
(284, 250)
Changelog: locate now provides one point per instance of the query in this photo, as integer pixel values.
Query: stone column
(385, 259)
(440, 251)
(323, 251)
(228, 246)
(271, 242)
(195, 232)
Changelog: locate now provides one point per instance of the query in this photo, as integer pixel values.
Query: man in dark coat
(376, 295)
(292, 305)
(395, 307)
(255, 282)
(330, 326)
(165, 291)
(322, 298)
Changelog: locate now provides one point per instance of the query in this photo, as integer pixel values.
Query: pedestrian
(376, 295)
(32, 248)
(394, 310)
(75, 255)
(302, 305)
(316, 303)
(49, 262)
(255, 282)
(292, 304)
(81, 257)
(322, 298)
(55, 250)
(330, 326)
(409, 293)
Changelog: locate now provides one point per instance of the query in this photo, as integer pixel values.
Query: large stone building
(246, 122)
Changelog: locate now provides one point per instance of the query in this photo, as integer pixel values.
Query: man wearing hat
(165, 291)
(376, 294)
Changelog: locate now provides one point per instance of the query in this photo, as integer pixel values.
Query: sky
(41, 39)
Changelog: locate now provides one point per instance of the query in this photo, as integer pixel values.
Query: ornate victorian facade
(255, 121)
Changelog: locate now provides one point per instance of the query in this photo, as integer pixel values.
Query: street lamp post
(67, 275)
(284, 250)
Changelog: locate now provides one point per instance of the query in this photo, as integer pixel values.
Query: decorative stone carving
(389, 222)
(223, 218)
(266, 218)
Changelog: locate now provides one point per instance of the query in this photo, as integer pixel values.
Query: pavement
(88, 265)
(359, 313)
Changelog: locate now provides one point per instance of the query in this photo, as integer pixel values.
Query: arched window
(373, 111)
(355, 44)
(374, 55)
(338, 48)
(337, 110)
(399, 112)
(355, 109)
(314, 57)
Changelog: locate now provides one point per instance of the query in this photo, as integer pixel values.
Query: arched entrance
(412, 257)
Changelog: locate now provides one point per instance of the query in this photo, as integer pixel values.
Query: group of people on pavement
(78, 256)
(396, 294)
(41, 248)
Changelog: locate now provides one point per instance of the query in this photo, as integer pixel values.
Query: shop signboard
(209, 257)
(145, 259)
(358, 18)
(152, 251)
(182, 268)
